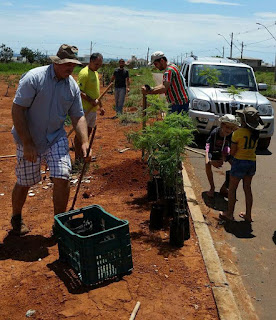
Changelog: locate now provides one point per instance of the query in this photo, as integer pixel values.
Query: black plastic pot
(156, 182)
(187, 234)
(156, 216)
(169, 191)
(177, 232)
(169, 206)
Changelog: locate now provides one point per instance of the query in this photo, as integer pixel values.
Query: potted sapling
(164, 143)
(175, 132)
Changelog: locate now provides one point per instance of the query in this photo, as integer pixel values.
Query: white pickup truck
(208, 103)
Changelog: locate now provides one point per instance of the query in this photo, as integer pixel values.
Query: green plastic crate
(99, 256)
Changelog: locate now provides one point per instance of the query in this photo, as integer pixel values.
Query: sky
(120, 29)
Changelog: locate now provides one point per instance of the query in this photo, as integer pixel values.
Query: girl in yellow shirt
(243, 149)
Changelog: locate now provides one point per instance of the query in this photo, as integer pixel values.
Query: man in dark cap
(44, 97)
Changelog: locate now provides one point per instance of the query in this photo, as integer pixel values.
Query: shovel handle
(83, 169)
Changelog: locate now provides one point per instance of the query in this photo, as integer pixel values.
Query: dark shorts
(179, 108)
(242, 168)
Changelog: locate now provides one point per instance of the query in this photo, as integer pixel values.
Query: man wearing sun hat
(173, 84)
(44, 97)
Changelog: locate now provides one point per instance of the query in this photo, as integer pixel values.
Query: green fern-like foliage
(156, 106)
(234, 92)
(164, 143)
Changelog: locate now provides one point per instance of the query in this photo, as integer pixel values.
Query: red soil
(170, 283)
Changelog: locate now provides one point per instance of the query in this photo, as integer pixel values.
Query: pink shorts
(56, 157)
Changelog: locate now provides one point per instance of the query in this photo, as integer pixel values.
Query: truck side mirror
(262, 86)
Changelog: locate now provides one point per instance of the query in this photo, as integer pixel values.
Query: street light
(275, 53)
(266, 29)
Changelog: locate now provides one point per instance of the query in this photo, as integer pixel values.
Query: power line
(259, 41)
(254, 30)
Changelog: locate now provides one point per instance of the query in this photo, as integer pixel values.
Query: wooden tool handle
(83, 169)
(90, 108)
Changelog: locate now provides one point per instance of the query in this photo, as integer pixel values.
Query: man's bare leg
(60, 194)
(19, 195)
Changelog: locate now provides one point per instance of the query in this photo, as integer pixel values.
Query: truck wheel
(264, 143)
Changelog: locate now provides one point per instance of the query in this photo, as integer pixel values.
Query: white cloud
(215, 2)
(266, 15)
(7, 4)
(122, 32)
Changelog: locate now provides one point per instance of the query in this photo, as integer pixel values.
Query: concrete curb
(224, 298)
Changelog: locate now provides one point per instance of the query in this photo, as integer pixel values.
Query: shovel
(83, 169)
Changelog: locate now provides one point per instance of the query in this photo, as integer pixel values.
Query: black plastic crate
(100, 252)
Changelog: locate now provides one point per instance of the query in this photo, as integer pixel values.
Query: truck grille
(224, 107)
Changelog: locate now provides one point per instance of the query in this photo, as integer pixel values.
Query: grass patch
(268, 78)
(133, 105)
(16, 68)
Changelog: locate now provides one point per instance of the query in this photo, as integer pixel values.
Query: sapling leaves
(164, 143)
(234, 92)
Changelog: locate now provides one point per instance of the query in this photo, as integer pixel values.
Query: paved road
(255, 250)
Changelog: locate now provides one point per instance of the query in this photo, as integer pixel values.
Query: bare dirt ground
(170, 283)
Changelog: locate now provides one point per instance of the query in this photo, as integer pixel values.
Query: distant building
(85, 59)
(253, 62)
(18, 58)
(134, 61)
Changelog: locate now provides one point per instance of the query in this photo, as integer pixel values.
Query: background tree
(41, 58)
(28, 54)
(6, 53)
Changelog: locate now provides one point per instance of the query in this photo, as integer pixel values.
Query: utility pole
(90, 48)
(222, 52)
(148, 57)
(231, 46)
(242, 46)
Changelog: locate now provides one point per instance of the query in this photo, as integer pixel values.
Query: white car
(209, 102)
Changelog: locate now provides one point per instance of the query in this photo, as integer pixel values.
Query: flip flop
(224, 193)
(210, 194)
(243, 216)
(225, 218)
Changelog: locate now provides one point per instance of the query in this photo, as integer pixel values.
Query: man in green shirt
(88, 81)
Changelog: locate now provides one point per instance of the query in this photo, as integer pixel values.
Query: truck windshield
(203, 75)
